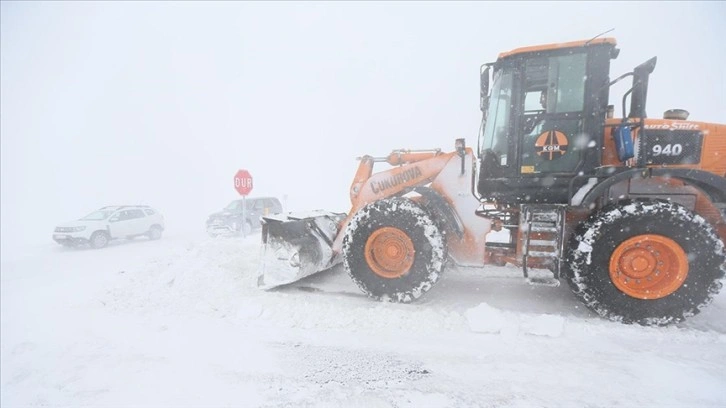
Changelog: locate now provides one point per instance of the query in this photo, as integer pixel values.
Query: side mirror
(460, 146)
(114, 218)
(484, 88)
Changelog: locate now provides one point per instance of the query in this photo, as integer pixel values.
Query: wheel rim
(648, 266)
(389, 252)
(100, 240)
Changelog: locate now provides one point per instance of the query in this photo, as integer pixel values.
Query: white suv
(107, 223)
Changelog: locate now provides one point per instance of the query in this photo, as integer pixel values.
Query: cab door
(559, 127)
(551, 128)
(556, 111)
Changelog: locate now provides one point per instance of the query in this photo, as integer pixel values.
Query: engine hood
(225, 214)
(81, 223)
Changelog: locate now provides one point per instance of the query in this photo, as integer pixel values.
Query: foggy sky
(160, 102)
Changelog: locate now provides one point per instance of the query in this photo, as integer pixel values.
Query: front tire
(247, 228)
(99, 239)
(394, 250)
(645, 262)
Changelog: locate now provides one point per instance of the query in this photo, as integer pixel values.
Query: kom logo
(551, 144)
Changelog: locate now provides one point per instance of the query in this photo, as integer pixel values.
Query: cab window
(555, 84)
(495, 134)
(566, 76)
(274, 205)
(135, 214)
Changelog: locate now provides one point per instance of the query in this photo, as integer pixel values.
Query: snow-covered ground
(179, 322)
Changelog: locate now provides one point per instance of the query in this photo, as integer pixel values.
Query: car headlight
(77, 229)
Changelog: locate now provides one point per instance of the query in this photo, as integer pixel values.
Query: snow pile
(217, 277)
(196, 278)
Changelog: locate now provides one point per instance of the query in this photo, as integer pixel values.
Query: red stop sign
(243, 182)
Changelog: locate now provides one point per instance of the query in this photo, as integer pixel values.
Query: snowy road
(178, 322)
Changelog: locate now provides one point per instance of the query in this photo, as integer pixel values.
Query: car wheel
(154, 233)
(99, 239)
(247, 228)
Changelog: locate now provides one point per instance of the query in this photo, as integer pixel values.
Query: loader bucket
(297, 245)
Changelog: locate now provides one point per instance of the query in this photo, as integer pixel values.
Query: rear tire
(394, 250)
(645, 262)
(154, 233)
(99, 239)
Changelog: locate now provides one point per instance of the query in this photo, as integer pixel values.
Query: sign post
(243, 185)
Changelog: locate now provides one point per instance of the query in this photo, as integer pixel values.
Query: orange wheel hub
(648, 266)
(389, 252)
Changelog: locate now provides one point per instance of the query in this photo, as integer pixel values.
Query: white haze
(161, 102)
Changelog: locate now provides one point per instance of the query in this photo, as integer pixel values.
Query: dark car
(235, 218)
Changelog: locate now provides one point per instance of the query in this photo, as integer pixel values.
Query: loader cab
(543, 121)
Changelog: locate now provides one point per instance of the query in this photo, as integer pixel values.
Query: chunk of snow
(485, 319)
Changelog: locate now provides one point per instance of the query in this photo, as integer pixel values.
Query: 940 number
(674, 149)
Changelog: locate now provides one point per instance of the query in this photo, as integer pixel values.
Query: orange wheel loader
(630, 211)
